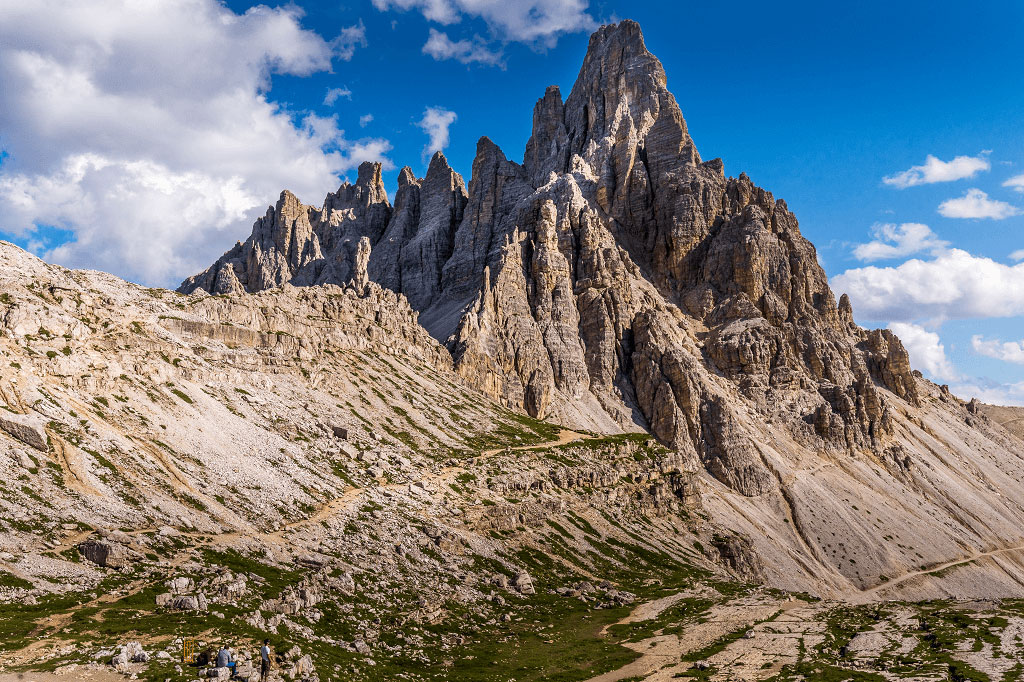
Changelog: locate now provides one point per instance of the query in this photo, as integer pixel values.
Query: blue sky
(146, 142)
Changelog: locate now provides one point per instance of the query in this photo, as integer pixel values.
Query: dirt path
(564, 437)
(661, 655)
(867, 594)
(333, 506)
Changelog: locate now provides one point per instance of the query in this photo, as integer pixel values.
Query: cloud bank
(1007, 351)
(952, 285)
(104, 137)
(925, 349)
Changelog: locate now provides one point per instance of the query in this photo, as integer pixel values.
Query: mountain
(614, 281)
(421, 435)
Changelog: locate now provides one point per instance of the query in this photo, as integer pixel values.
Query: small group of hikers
(226, 660)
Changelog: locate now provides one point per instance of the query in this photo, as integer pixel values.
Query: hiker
(265, 660)
(224, 659)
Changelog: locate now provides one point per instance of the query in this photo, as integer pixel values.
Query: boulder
(189, 602)
(181, 585)
(130, 652)
(29, 429)
(106, 554)
(302, 668)
(524, 583)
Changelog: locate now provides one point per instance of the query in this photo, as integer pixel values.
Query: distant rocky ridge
(611, 281)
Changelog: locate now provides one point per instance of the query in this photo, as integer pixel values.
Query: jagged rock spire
(547, 151)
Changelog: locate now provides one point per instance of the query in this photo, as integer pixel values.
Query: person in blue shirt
(224, 659)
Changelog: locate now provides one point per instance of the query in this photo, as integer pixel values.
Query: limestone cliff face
(638, 285)
(612, 281)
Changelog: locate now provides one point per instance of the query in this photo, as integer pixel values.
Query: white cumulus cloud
(441, 47)
(538, 23)
(976, 204)
(529, 21)
(926, 350)
(365, 120)
(334, 94)
(953, 285)
(1016, 182)
(899, 241)
(989, 391)
(435, 123)
(348, 40)
(1009, 351)
(936, 170)
(146, 130)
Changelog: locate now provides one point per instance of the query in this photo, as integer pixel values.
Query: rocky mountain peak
(612, 281)
(405, 177)
(548, 147)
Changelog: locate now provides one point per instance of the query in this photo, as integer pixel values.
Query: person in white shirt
(265, 660)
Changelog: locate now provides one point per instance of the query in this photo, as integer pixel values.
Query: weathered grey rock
(524, 584)
(107, 554)
(547, 151)
(303, 245)
(27, 428)
(189, 602)
(22, 458)
(442, 202)
(385, 266)
(302, 668)
(496, 187)
(130, 652)
(181, 585)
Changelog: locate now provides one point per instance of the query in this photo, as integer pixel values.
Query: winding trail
(201, 539)
(333, 506)
(867, 594)
(565, 437)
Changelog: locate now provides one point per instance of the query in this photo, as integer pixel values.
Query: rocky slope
(416, 437)
(609, 270)
(615, 281)
(302, 463)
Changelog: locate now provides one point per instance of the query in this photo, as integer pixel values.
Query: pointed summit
(619, 80)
